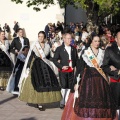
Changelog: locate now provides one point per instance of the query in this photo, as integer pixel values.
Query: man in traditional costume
(112, 60)
(18, 43)
(67, 55)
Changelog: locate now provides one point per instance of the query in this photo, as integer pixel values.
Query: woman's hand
(41, 56)
(113, 68)
(53, 48)
(76, 87)
(108, 45)
(65, 67)
(16, 51)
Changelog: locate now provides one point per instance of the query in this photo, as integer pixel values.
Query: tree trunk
(92, 16)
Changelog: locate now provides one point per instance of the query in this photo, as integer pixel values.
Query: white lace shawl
(5, 48)
(99, 57)
(46, 49)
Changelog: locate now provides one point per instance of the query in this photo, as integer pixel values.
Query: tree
(36, 3)
(95, 9)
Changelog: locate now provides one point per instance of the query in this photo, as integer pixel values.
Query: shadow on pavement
(8, 99)
(47, 105)
(32, 118)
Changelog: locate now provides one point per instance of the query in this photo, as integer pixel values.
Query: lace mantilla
(100, 57)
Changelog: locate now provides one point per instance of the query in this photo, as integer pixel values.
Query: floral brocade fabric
(95, 100)
(42, 77)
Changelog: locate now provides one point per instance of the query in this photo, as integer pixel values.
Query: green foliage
(17, 1)
(36, 3)
(101, 6)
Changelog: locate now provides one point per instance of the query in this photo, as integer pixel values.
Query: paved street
(13, 109)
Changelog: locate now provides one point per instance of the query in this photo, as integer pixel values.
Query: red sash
(113, 80)
(70, 69)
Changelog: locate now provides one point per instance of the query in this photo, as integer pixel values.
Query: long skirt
(115, 87)
(6, 67)
(4, 77)
(41, 86)
(94, 102)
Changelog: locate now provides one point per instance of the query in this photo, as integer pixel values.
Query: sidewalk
(13, 109)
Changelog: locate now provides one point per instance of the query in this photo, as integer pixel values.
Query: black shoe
(41, 108)
(2, 89)
(62, 106)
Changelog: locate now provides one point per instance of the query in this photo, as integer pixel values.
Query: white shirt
(22, 41)
(119, 48)
(68, 49)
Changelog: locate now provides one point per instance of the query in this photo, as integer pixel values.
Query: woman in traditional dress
(15, 76)
(104, 42)
(39, 85)
(6, 63)
(94, 100)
